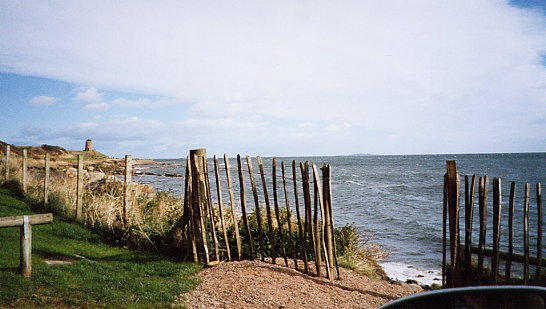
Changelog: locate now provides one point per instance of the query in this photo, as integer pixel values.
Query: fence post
(198, 199)
(24, 170)
(46, 179)
(26, 248)
(233, 206)
(539, 234)
(508, 267)
(277, 212)
(453, 211)
(127, 191)
(484, 185)
(243, 205)
(526, 235)
(496, 228)
(220, 206)
(79, 189)
(300, 227)
(208, 197)
(268, 212)
(8, 154)
(289, 217)
(256, 206)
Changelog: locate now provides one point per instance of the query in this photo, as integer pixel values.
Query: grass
(101, 275)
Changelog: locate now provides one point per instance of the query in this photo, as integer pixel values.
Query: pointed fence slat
(539, 233)
(221, 207)
(289, 217)
(233, 211)
(508, 267)
(268, 212)
(300, 224)
(243, 206)
(257, 207)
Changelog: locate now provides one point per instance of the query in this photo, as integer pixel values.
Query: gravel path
(255, 284)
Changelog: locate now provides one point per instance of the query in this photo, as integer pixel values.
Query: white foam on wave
(354, 182)
(403, 272)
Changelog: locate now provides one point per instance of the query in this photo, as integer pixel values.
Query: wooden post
(268, 212)
(188, 206)
(496, 229)
(243, 206)
(277, 212)
(232, 204)
(24, 170)
(198, 200)
(8, 154)
(126, 186)
(300, 227)
(331, 216)
(308, 232)
(326, 192)
(508, 268)
(46, 179)
(26, 248)
(453, 211)
(539, 233)
(526, 235)
(322, 228)
(257, 207)
(484, 185)
(210, 209)
(289, 217)
(444, 235)
(25, 237)
(221, 207)
(317, 228)
(469, 217)
(79, 189)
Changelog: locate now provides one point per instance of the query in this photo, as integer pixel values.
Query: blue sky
(284, 78)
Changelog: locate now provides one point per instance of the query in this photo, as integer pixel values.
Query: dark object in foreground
(484, 297)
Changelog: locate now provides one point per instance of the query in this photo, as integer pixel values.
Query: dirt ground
(255, 284)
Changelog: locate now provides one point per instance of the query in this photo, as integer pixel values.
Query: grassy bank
(100, 275)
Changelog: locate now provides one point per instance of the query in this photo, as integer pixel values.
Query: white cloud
(88, 95)
(42, 101)
(96, 107)
(142, 102)
(445, 74)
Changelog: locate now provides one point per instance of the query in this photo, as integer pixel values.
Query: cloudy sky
(298, 77)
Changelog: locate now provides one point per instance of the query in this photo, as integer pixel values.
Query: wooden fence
(463, 269)
(308, 237)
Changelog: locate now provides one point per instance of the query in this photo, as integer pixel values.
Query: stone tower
(88, 145)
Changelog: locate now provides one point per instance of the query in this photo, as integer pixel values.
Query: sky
(274, 78)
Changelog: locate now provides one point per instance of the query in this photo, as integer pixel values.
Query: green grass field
(101, 275)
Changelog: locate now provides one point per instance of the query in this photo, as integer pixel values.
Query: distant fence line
(460, 269)
(310, 236)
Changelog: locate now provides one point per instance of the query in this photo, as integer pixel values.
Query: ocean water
(396, 199)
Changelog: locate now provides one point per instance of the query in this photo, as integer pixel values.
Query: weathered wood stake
(79, 190)
(221, 207)
(300, 227)
(233, 206)
(526, 235)
(24, 170)
(496, 229)
(212, 218)
(539, 233)
(46, 179)
(289, 217)
(277, 211)
(257, 207)
(268, 212)
(508, 267)
(243, 206)
(8, 154)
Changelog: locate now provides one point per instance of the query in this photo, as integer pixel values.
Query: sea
(395, 201)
